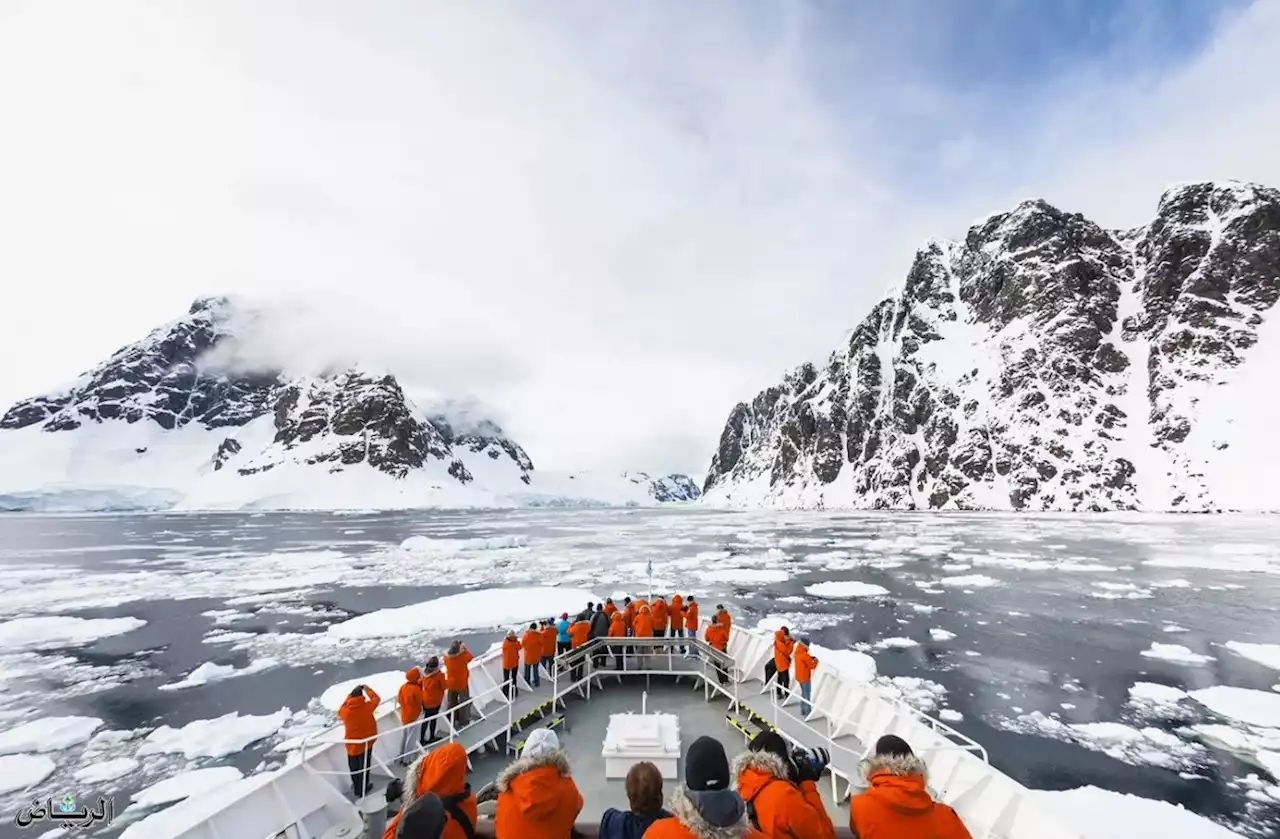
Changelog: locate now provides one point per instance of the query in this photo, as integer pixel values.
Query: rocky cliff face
(177, 381)
(1042, 363)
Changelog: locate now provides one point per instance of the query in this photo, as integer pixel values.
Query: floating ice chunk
(851, 664)
(185, 785)
(48, 734)
(956, 567)
(1252, 707)
(797, 622)
(1145, 746)
(23, 771)
(1177, 582)
(895, 644)
(745, 575)
(1151, 693)
(211, 672)
(941, 634)
(837, 589)
(217, 737)
(426, 544)
(948, 715)
(481, 609)
(222, 636)
(112, 737)
(386, 684)
(1267, 655)
(107, 770)
(1173, 627)
(969, 581)
(1103, 814)
(42, 633)
(1176, 653)
(923, 608)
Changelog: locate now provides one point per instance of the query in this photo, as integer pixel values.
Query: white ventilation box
(631, 738)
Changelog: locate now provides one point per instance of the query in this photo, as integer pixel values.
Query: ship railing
(632, 656)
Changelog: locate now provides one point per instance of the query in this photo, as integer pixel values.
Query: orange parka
(782, 647)
(782, 808)
(686, 822)
(618, 626)
(643, 626)
(610, 609)
(433, 689)
(660, 615)
(717, 637)
(805, 664)
(675, 612)
(510, 653)
(549, 641)
(691, 617)
(531, 645)
(537, 799)
(897, 804)
(457, 675)
(444, 773)
(358, 721)
(410, 696)
(580, 632)
(726, 620)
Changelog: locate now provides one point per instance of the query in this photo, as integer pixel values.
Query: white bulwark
(634, 737)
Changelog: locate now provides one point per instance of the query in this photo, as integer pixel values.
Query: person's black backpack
(426, 817)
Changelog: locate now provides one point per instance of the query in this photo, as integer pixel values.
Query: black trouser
(509, 681)
(722, 674)
(359, 766)
(430, 722)
(580, 659)
(784, 682)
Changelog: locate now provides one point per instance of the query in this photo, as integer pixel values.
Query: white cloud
(609, 225)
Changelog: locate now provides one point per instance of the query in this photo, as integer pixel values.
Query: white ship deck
(311, 797)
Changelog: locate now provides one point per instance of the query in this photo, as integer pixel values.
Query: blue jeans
(531, 675)
(804, 702)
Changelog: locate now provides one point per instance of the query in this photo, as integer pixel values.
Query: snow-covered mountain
(169, 422)
(1043, 363)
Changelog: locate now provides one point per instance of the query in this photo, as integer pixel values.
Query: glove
(808, 765)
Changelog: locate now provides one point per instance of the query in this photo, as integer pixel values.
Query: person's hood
(453, 653)
(541, 741)
(720, 814)
(355, 702)
(899, 782)
(432, 667)
(754, 770)
(443, 771)
(413, 675)
(537, 793)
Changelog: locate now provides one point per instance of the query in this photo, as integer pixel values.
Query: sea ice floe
(851, 664)
(1150, 693)
(969, 581)
(216, 737)
(1177, 582)
(1103, 814)
(948, 715)
(745, 575)
(1120, 591)
(51, 632)
(956, 567)
(1176, 653)
(428, 544)
(1173, 627)
(895, 644)
(222, 636)
(839, 589)
(1267, 655)
(1258, 708)
(185, 785)
(923, 608)
(1146, 746)
(212, 672)
(941, 634)
(385, 684)
(23, 771)
(483, 609)
(798, 622)
(48, 734)
(106, 770)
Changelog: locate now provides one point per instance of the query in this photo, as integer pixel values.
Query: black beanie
(706, 767)
(423, 819)
(892, 744)
(769, 741)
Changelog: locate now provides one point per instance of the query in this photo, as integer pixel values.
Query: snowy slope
(167, 423)
(1043, 363)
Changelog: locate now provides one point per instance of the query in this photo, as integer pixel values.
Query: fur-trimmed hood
(764, 763)
(685, 811)
(900, 765)
(558, 759)
(442, 771)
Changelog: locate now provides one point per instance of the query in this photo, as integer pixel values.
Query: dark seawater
(1043, 635)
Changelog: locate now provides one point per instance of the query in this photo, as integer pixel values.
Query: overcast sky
(609, 222)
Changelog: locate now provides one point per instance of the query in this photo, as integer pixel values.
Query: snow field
(50, 632)
(219, 737)
(488, 608)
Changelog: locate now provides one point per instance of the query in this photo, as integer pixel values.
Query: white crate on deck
(631, 738)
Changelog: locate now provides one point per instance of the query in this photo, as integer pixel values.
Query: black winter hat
(706, 767)
(769, 741)
(892, 744)
(423, 819)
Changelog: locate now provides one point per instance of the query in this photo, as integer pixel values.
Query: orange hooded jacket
(618, 626)
(580, 632)
(726, 620)
(660, 614)
(537, 798)
(531, 643)
(898, 804)
(610, 609)
(782, 808)
(805, 664)
(358, 721)
(433, 689)
(675, 612)
(549, 641)
(782, 648)
(718, 637)
(643, 626)
(687, 823)
(410, 696)
(443, 772)
(457, 676)
(510, 653)
(691, 617)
